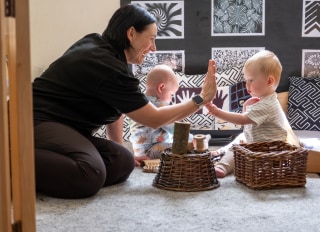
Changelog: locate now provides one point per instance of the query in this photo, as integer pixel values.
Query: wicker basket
(266, 165)
(187, 172)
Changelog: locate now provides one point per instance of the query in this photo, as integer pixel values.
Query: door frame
(17, 175)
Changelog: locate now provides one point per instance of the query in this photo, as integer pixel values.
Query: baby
(262, 116)
(149, 143)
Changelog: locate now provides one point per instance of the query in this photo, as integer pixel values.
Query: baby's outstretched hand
(139, 159)
(211, 108)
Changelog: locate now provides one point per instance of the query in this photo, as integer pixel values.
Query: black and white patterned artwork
(310, 63)
(311, 18)
(169, 15)
(237, 17)
(303, 103)
(174, 59)
(226, 58)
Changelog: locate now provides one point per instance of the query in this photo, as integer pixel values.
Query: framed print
(237, 17)
(311, 18)
(227, 58)
(169, 15)
(310, 63)
(174, 59)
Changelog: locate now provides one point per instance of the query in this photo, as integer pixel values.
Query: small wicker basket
(186, 172)
(266, 165)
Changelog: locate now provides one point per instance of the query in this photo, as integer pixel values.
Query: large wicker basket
(187, 172)
(266, 165)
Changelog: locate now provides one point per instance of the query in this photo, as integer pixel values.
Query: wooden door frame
(17, 193)
(5, 198)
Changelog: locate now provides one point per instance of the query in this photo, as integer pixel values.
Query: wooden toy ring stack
(182, 171)
(200, 145)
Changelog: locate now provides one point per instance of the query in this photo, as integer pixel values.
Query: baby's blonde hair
(265, 62)
(160, 73)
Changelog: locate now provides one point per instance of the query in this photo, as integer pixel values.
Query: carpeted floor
(136, 205)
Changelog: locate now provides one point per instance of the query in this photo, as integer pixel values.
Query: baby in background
(149, 143)
(262, 115)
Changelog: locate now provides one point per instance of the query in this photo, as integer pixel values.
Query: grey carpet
(136, 205)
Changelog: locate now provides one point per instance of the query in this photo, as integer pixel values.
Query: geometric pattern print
(199, 120)
(102, 132)
(304, 103)
(126, 128)
(224, 78)
(311, 27)
(190, 81)
(237, 17)
(142, 79)
(230, 76)
(238, 95)
(230, 98)
(221, 100)
(228, 57)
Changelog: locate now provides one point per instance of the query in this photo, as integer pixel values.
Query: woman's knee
(68, 177)
(88, 184)
(119, 166)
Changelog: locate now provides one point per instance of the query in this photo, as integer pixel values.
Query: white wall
(56, 25)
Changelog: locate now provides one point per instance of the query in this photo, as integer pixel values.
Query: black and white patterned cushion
(304, 103)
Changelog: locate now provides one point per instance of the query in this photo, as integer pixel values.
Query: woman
(90, 85)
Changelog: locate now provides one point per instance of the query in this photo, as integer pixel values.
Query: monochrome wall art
(174, 59)
(227, 58)
(311, 18)
(237, 17)
(310, 63)
(229, 31)
(169, 15)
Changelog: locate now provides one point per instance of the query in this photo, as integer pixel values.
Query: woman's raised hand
(209, 87)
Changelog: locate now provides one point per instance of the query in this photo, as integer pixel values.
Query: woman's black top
(90, 85)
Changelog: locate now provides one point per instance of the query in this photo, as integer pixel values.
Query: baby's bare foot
(219, 172)
(214, 153)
